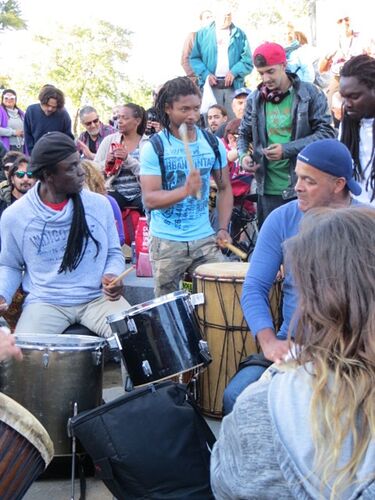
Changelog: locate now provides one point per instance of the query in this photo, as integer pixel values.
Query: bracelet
(242, 157)
(222, 229)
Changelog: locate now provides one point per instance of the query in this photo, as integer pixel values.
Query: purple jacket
(4, 118)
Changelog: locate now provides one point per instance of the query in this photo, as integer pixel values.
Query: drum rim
(42, 342)
(145, 306)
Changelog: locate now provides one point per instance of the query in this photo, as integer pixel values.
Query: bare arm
(154, 196)
(224, 201)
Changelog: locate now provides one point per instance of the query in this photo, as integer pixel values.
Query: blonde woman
(309, 433)
(95, 182)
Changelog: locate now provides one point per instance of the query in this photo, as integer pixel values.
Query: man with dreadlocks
(182, 236)
(357, 131)
(62, 243)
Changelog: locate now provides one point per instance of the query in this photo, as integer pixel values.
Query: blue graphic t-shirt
(188, 220)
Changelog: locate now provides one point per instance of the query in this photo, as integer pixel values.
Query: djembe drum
(224, 328)
(25, 449)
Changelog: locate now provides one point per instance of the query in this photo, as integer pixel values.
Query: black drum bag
(151, 443)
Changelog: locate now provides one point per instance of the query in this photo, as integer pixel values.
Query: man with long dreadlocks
(357, 131)
(62, 243)
(182, 236)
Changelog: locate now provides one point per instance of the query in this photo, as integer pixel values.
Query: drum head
(225, 270)
(22, 421)
(59, 342)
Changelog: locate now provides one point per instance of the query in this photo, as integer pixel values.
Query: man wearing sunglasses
(20, 181)
(90, 140)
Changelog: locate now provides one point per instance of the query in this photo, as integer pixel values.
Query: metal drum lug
(146, 368)
(97, 357)
(45, 360)
(204, 352)
(114, 343)
(132, 327)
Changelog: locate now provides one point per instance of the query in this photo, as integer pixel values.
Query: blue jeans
(238, 383)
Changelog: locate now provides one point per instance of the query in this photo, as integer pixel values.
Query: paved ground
(60, 489)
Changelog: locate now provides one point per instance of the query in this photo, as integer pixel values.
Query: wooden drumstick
(120, 276)
(182, 130)
(235, 250)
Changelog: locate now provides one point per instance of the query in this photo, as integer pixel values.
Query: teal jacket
(203, 57)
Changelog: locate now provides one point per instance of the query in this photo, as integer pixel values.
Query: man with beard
(90, 140)
(20, 180)
(49, 115)
(357, 131)
(290, 114)
(61, 242)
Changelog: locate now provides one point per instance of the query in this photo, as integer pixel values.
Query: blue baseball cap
(241, 91)
(332, 157)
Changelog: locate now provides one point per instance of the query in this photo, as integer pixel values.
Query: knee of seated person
(238, 384)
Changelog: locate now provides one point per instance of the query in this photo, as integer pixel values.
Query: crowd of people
(305, 428)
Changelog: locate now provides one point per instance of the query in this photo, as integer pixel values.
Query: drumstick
(183, 134)
(234, 250)
(120, 276)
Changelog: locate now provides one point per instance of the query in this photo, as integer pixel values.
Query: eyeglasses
(21, 174)
(9, 98)
(95, 122)
(346, 19)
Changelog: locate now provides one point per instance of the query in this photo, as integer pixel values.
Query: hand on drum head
(8, 348)
(113, 292)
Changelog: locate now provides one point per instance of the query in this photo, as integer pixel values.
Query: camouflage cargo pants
(171, 259)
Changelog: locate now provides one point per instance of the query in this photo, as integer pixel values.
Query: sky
(160, 28)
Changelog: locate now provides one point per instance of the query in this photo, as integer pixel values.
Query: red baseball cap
(273, 53)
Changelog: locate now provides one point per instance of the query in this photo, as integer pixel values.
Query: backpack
(149, 444)
(158, 146)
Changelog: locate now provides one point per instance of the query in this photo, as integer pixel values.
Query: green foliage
(89, 65)
(10, 16)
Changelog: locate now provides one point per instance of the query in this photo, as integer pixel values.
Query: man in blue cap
(324, 172)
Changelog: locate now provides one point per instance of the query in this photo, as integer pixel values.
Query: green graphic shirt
(279, 131)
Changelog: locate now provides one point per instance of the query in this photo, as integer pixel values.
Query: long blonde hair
(333, 264)
(94, 177)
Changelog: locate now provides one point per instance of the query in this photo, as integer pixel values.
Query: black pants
(123, 202)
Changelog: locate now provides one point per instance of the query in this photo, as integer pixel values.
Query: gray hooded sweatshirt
(265, 448)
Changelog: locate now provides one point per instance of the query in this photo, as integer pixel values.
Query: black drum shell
(163, 332)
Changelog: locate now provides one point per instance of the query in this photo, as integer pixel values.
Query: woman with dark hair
(11, 122)
(118, 155)
(307, 429)
(357, 131)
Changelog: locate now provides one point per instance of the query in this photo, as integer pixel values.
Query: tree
(10, 16)
(89, 65)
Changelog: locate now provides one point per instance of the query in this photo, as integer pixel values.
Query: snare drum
(56, 372)
(25, 449)
(160, 338)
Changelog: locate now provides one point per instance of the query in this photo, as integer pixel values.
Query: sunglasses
(20, 174)
(95, 122)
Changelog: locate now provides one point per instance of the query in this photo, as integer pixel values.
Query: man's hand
(85, 150)
(229, 78)
(273, 152)
(212, 80)
(273, 349)
(111, 292)
(222, 237)
(249, 165)
(8, 348)
(193, 183)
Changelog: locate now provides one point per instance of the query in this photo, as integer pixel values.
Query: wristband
(222, 229)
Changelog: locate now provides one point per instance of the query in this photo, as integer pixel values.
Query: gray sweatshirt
(265, 449)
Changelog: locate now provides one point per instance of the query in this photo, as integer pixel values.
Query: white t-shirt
(366, 156)
(222, 41)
